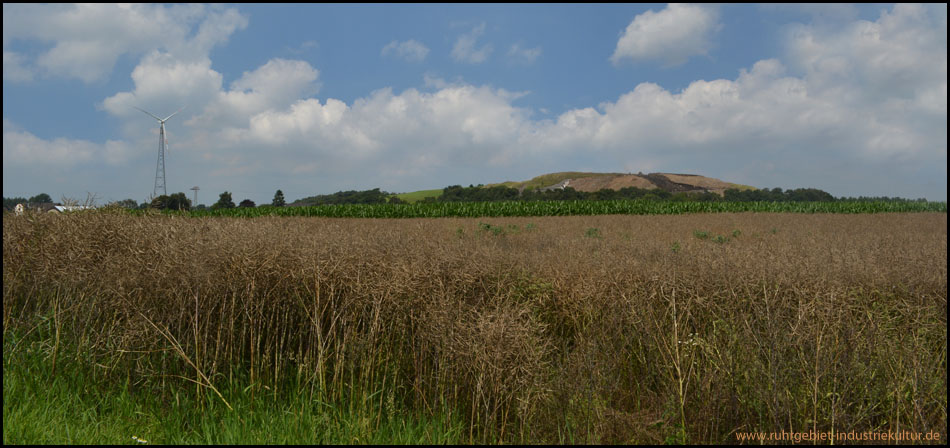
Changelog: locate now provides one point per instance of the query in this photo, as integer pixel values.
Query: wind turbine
(160, 168)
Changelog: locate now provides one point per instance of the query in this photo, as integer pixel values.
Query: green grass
(80, 402)
(741, 187)
(593, 232)
(416, 196)
(546, 180)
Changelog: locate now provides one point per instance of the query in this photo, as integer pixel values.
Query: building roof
(70, 208)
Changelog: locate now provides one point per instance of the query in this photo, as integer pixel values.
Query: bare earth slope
(702, 182)
(612, 182)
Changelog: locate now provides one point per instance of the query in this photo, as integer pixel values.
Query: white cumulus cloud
(164, 83)
(86, 39)
(275, 85)
(672, 35)
(23, 148)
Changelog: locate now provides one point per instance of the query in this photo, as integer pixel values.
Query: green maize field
(571, 208)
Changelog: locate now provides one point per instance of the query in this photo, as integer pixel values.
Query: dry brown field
(617, 329)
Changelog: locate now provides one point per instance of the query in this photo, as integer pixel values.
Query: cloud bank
(87, 39)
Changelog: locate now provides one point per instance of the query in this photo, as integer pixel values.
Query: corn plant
(570, 208)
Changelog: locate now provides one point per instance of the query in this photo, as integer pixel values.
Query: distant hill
(590, 182)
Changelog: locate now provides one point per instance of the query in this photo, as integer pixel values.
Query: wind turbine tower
(160, 168)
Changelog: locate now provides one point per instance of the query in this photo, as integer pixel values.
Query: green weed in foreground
(593, 232)
(81, 404)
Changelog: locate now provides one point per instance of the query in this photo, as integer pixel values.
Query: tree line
(457, 193)
(42, 198)
(374, 196)
(480, 193)
(179, 201)
(174, 201)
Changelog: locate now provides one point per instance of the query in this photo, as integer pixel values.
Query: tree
(41, 198)
(374, 196)
(605, 194)
(125, 203)
(10, 203)
(160, 202)
(176, 201)
(224, 201)
(279, 199)
(179, 201)
(247, 203)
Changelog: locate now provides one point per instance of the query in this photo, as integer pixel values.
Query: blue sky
(313, 99)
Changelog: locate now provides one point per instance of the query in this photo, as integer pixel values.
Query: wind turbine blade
(143, 110)
(172, 115)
